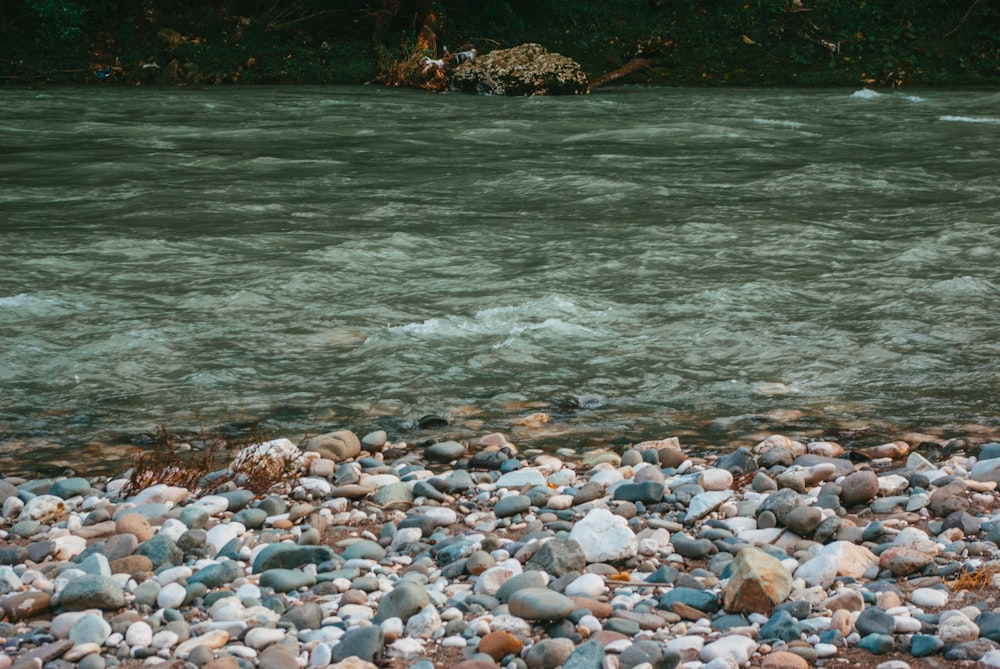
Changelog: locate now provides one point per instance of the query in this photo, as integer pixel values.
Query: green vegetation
(690, 42)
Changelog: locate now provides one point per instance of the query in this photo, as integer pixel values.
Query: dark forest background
(689, 42)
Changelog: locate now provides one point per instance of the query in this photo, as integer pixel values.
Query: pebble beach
(474, 554)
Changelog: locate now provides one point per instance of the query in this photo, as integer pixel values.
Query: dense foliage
(880, 42)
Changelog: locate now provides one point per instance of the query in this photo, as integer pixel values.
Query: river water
(634, 263)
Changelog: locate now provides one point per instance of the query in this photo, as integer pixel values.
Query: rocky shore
(473, 554)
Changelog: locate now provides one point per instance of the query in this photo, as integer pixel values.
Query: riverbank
(357, 552)
(730, 43)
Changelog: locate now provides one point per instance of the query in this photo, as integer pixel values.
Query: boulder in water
(528, 69)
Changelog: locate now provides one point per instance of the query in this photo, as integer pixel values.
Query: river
(634, 263)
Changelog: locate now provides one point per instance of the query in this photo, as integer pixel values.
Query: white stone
(80, 651)
(491, 579)
(321, 656)
(173, 574)
(955, 627)
(215, 505)
(160, 493)
(685, 643)
(139, 635)
(68, 547)
(43, 508)
(905, 625)
(586, 585)
(520, 478)
(590, 623)
(929, 597)
(223, 533)
(393, 626)
(559, 502)
(214, 639)
(825, 649)
(262, 637)
(715, 479)
(9, 581)
(892, 484)
(406, 535)
(423, 625)
(442, 515)
(276, 449)
(171, 596)
(406, 649)
(734, 647)
(12, 507)
(454, 642)
(165, 639)
(63, 623)
(704, 503)
(840, 558)
(173, 528)
(991, 658)
(605, 537)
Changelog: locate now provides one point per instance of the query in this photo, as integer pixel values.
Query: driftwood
(631, 67)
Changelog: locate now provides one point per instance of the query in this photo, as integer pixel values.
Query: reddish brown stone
(499, 645)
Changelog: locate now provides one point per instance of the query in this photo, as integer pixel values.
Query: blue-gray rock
(424, 489)
(362, 642)
(782, 625)
(874, 620)
(450, 551)
(252, 519)
(694, 549)
(989, 625)
(527, 579)
(589, 655)
(445, 451)
(286, 580)
(559, 557)
(512, 505)
(803, 520)
(72, 487)
(403, 601)
(218, 574)
(393, 493)
(664, 574)
(622, 626)
(288, 556)
(459, 481)
(780, 504)
(308, 616)
(95, 564)
(652, 652)
(119, 546)
(90, 628)
(161, 550)
(648, 492)
(237, 499)
(738, 462)
(365, 550)
(969, 650)
(195, 517)
(540, 604)
(703, 600)
(92, 591)
(730, 620)
(878, 644)
(922, 645)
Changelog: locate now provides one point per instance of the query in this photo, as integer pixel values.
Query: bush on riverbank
(755, 42)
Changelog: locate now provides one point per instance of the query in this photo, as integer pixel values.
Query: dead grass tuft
(200, 470)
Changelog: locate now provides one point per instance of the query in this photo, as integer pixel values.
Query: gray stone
(403, 601)
(364, 643)
(780, 504)
(161, 550)
(858, 488)
(528, 579)
(878, 644)
(512, 505)
(648, 492)
(703, 600)
(195, 517)
(694, 549)
(559, 557)
(252, 519)
(218, 574)
(308, 616)
(540, 604)
(336, 446)
(365, 550)
(92, 591)
(803, 520)
(288, 556)
(445, 451)
(90, 628)
(286, 580)
(874, 620)
(549, 653)
(704, 503)
(922, 645)
(119, 546)
(588, 655)
(782, 625)
(71, 487)
(393, 493)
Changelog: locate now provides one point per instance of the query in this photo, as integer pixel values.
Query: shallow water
(635, 263)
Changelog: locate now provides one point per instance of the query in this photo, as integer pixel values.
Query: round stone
(139, 634)
(540, 604)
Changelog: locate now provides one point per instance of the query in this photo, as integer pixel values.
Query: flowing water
(634, 263)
